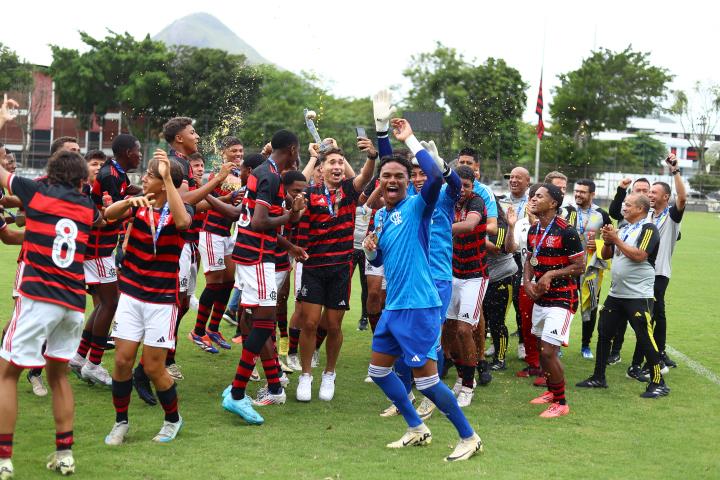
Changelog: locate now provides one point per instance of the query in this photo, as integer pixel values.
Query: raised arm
(431, 189)
(182, 218)
(383, 109)
(366, 172)
(615, 208)
(194, 196)
(680, 192)
(314, 149)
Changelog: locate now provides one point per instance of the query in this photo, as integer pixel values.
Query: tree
(646, 151)
(608, 88)
(16, 74)
(705, 183)
(699, 115)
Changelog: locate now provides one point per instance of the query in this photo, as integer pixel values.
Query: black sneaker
(656, 390)
(484, 375)
(143, 388)
(592, 382)
(363, 324)
(498, 365)
(667, 361)
(637, 373)
(614, 359)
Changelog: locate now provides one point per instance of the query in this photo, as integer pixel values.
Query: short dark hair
(665, 186)
(465, 173)
(330, 151)
(122, 143)
(397, 159)
(283, 139)
(253, 161)
(533, 189)
(95, 155)
(292, 176)
(587, 183)
(174, 126)
(67, 168)
(176, 171)
(196, 156)
(59, 142)
(229, 141)
(468, 152)
(403, 152)
(642, 180)
(555, 193)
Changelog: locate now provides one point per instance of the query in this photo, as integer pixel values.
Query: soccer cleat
(484, 375)
(466, 448)
(255, 375)
(390, 411)
(368, 379)
(426, 408)
(363, 324)
(284, 367)
(555, 410)
(592, 382)
(169, 431)
(521, 351)
(304, 388)
(283, 346)
(143, 388)
(96, 374)
(76, 363)
(636, 373)
(498, 365)
(227, 391)
(118, 434)
(586, 353)
(529, 372)
(490, 351)
(38, 387)
(284, 380)
(327, 386)
(6, 469)
(465, 397)
(656, 390)
(174, 371)
(62, 461)
(293, 362)
(614, 359)
(546, 397)
(667, 360)
(218, 338)
(243, 408)
(265, 397)
(540, 382)
(230, 317)
(458, 386)
(204, 342)
(315, 359)
(414, 437)
(237, 339)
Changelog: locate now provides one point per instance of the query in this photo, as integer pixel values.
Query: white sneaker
(417, 436)
(521, 351)
(426, 408)
(465, 397)
(38, 387)
(368, 379)
(304, 388)
(174, 371)
(117, 434)
(458, 386)
(392, 410)
(327, 386)
(284, 380)
(62, 462)
(255, 376)
(466, 448)
(315, 359)
(96, 374)
(6, 469)
(76, 363)
(490, 351)
(194, 302)
(293, 362)
(264, 397)
(168, 432)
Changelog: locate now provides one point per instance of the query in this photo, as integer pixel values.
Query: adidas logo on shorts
(160, 340)
(342, 303)
(554, 332)
(415, 358)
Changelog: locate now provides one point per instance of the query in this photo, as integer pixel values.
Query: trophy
(310, 116)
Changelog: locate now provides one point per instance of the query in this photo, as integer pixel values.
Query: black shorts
(328, 286)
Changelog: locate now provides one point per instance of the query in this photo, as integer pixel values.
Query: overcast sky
(358, 50)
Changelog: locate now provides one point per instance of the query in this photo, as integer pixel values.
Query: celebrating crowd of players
(441, 259)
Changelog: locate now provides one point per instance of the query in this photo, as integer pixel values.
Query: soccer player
(410, 324)
(254, 252)
(49, 309)
(469, 158)
(111, 185)
(554, 261)
(362, 220)
(64, 143)
(326, 231)
(633, 250)
(148, 305)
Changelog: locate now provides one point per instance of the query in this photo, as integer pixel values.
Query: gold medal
(534, 261)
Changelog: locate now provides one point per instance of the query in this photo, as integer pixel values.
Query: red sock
(97, 349)
(243, 372)
(63, 440)
(205, 306)
(168, 400)
(222, 295)
(293, 342)
(84, 343)
(6, 444)
(558, 391)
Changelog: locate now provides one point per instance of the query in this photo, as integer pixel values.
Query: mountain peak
(203, 30)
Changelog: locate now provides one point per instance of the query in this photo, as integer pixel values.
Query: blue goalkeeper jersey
(488, 197)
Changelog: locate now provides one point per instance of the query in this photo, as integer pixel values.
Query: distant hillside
(205, 31)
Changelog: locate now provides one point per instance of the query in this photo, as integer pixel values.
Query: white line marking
(694, 366)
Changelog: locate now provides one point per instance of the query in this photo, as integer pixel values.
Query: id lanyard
(631, 228)
(160, 225)
(330, 205)
(534, 261)
(580, 219)
(117, 167)
(662, 217)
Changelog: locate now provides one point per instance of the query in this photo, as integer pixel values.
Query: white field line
(694, 366)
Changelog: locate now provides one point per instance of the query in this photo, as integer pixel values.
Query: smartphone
(360, 132)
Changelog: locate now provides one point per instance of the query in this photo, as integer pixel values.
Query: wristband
(675, 172)
(373, 157)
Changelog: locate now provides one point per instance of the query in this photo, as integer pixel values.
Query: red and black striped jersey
(58, 222)
(263, 186)
(111, 178)
(469, 252)
(152, 276)
(215, 222)
(192, 234)
(560, 244)
(327, 227)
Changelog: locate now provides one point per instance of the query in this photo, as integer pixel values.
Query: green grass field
(610, 434)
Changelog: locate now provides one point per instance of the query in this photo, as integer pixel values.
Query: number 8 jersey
(58, 224)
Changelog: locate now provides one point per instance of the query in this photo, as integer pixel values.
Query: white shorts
(552, 324)
(35, 322)
(257, 284)
(188, 269)
(281, 278)
(18, 279)
(153, 324)
(298, 278)
(372, 271)
(213, 258)
(467, 299)
(100, 270)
